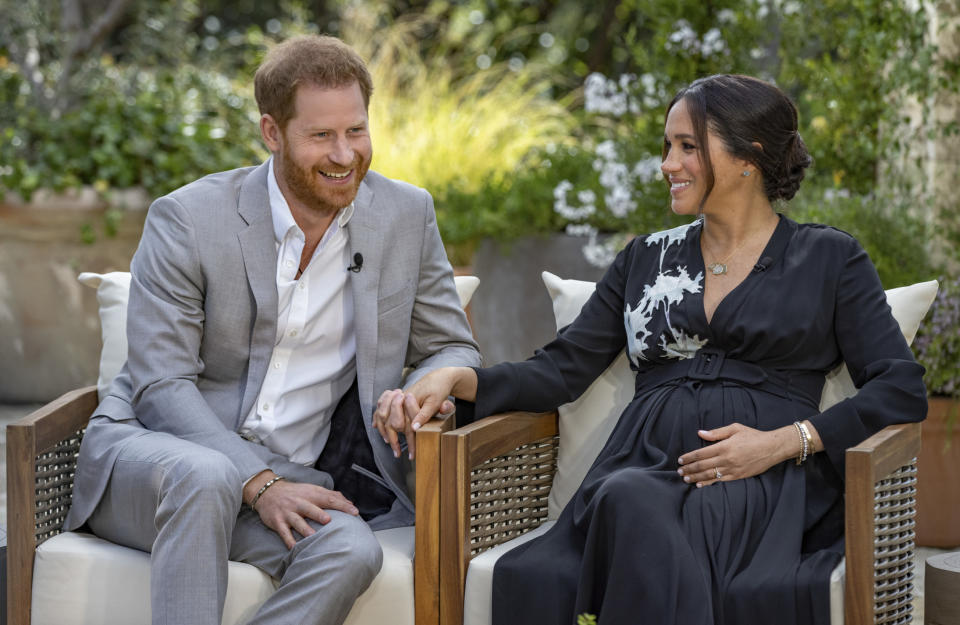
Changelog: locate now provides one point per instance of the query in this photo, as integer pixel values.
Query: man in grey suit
(272, 310)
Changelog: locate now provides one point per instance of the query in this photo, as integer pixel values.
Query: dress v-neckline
(772, 250)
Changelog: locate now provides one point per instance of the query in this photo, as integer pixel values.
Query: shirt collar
(280, 211)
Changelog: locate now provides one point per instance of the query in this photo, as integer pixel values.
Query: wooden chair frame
(483, 509)
(41, 460)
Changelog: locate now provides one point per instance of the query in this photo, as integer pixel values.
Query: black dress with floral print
(636, 544)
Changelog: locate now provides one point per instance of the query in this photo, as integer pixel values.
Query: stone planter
(49, 325)
(511, 312)
(938, 485)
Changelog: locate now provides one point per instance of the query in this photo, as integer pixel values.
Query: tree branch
(85, 41)
(71, 18)
(82, 42)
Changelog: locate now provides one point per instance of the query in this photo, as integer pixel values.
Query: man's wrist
(254, 484)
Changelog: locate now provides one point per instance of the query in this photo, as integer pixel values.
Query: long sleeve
(439, 333)
(563, 369)
(165, 327)
(889, 380)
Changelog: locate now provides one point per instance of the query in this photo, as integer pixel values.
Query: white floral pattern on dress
(668, 289)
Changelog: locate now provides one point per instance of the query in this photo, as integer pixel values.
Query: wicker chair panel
(53, 486)
(893, 539)
(508, 493)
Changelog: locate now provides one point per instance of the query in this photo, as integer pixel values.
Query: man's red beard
(307, 184)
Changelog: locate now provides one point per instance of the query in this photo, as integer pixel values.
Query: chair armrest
(426, 561)
(41, 458)
(495, 478)
(881, 486)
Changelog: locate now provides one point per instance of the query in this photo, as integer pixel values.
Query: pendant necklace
(719, 267)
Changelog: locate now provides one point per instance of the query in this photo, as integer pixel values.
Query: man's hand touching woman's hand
(398, 411)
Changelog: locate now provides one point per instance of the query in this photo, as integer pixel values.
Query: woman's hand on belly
(737, 452)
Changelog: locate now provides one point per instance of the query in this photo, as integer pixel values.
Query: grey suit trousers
(181, 502)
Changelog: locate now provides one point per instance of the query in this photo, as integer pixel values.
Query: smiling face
(323, 153)
(684, 168)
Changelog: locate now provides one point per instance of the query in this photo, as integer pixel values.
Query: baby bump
(661, 424)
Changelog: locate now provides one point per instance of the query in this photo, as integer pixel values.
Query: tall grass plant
(441, 131)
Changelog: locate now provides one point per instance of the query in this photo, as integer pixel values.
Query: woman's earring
(746, 172)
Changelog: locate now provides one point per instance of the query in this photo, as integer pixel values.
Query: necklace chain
(719, 267)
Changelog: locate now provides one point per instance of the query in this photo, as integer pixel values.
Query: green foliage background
(483, 102)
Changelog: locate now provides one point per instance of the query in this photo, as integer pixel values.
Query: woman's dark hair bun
(796, 159)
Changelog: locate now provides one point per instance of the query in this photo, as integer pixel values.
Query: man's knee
(207, 479)
(352, 541)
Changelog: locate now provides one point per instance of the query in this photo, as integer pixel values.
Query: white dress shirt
(314, 356)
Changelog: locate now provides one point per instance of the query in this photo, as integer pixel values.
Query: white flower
(599, 254)
(726, 16)
(649, 82)
(603, 95)
(713, 43)
(607, 150)
(686, 39)
(648, 169)
(581, 230)
(683, 37)
(571, 213)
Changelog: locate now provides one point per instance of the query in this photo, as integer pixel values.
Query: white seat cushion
(389, 599)
(79, 579)
(477, 603)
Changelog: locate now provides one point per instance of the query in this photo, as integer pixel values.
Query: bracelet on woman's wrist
(263, 489)
(806, 442)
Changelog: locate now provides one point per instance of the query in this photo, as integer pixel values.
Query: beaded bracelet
(804, 443)
(256, 498)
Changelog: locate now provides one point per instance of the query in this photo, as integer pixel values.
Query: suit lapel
(367, 240)
(259, 252)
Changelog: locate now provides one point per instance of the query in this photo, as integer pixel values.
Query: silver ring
(716, 472)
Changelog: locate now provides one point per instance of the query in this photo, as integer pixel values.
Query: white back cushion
(113, 290)
(586, 423)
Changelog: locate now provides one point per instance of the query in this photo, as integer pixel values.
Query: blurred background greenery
(520, 116)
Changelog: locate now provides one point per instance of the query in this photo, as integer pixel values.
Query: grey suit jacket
(202, 317)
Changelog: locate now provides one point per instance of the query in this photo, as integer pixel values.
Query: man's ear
(271, 133)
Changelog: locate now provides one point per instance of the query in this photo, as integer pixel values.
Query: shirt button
(266, 406)
(301, 286)
(293, 332)
(289, 263)
(276, 365)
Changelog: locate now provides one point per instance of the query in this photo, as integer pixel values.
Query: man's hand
(395, 413)
(286, 506)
